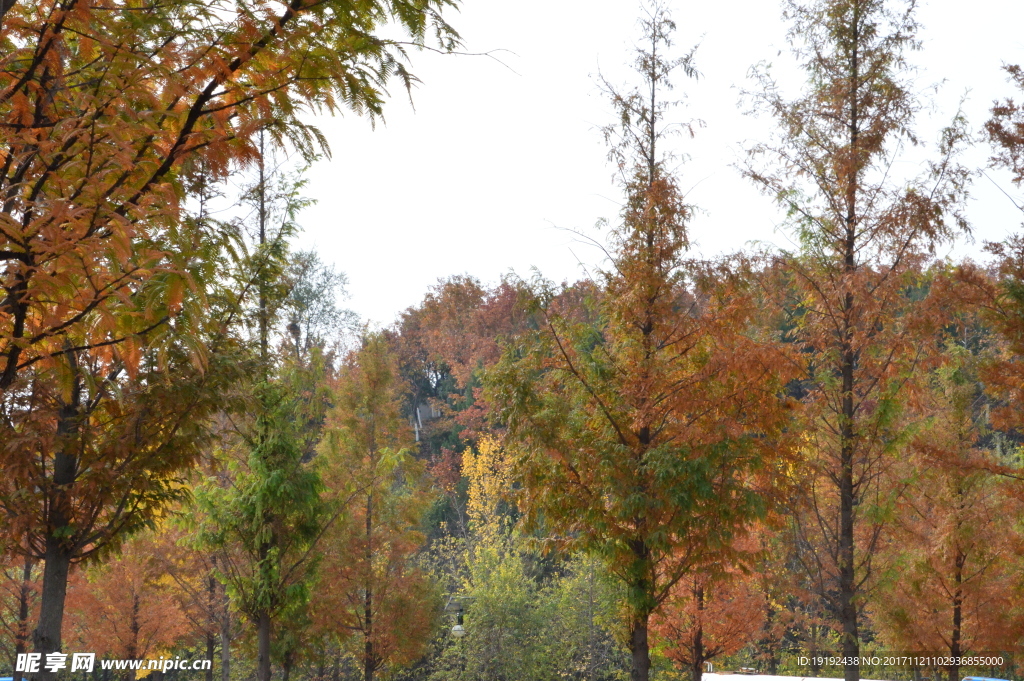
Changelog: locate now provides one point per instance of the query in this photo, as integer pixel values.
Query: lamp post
(456, 606)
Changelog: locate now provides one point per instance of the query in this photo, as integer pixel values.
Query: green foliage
(271, 514)
(523, 626)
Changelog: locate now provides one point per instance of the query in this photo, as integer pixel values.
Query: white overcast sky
(498, 162)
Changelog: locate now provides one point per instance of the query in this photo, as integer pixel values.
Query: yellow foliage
(490, 479)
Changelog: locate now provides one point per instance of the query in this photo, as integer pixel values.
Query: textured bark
(639, 649)
(24, 593)
(847, 493)
(369, 655)
(58, 556)
(696, 669)
(46, 638)
(225, 643)
(263, 643)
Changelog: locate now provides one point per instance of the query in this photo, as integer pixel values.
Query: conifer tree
(864, 235)
(266, 519)
(638, 437)
(376, 596)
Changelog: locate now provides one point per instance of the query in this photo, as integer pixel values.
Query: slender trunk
(132, 651)
(225, 642)
(211, 620)
(211, 646)
(698, 635)
(59, 551)
(848, 364)
(264, 319)
(847, 576)
(369, 657)
(24, 597)
(815, 666)
(286, 668)
(134, 628)
(591, 624)
(955, 645)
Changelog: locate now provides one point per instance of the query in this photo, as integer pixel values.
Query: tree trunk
(21, 638)
(286, 667)
(211, 646)
(46, 638)
(848, 366)
(225, 641)
(815, 666)
(955, 645)
(57, 566)
(847, 572)
(133, 643)
(263, 644)
(696, 671)
(369, 657)
(211, 621)
(639, 649)
(768, 643)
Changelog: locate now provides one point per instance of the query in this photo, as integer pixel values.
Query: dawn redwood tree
(1005, 129)
(639, 436)
(864, 235)
(100, 455)
(265, 524)
(958, 541)
(1000, 298)
(19, 599)
(709, 616)
(125, 608)
(264, 519)
(373, 592)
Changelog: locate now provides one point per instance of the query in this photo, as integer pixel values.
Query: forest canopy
(801, 461)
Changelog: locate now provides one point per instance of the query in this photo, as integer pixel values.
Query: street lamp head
(458, 631)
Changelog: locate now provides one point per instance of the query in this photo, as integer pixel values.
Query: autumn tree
(100, 454)
(638, 436)
(1005, 129)
(190, 576)
(19, 600)
(864, 235)
(999, 294)
(374, 592)
(958, 541)
(125, 607)
(709, 616)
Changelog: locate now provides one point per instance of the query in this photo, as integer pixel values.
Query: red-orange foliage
(371, 586)
(125, 608)
(104, 105)
(445, 342)
(853, 295)
(958, 547)
(640, 432)
(709, 614)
